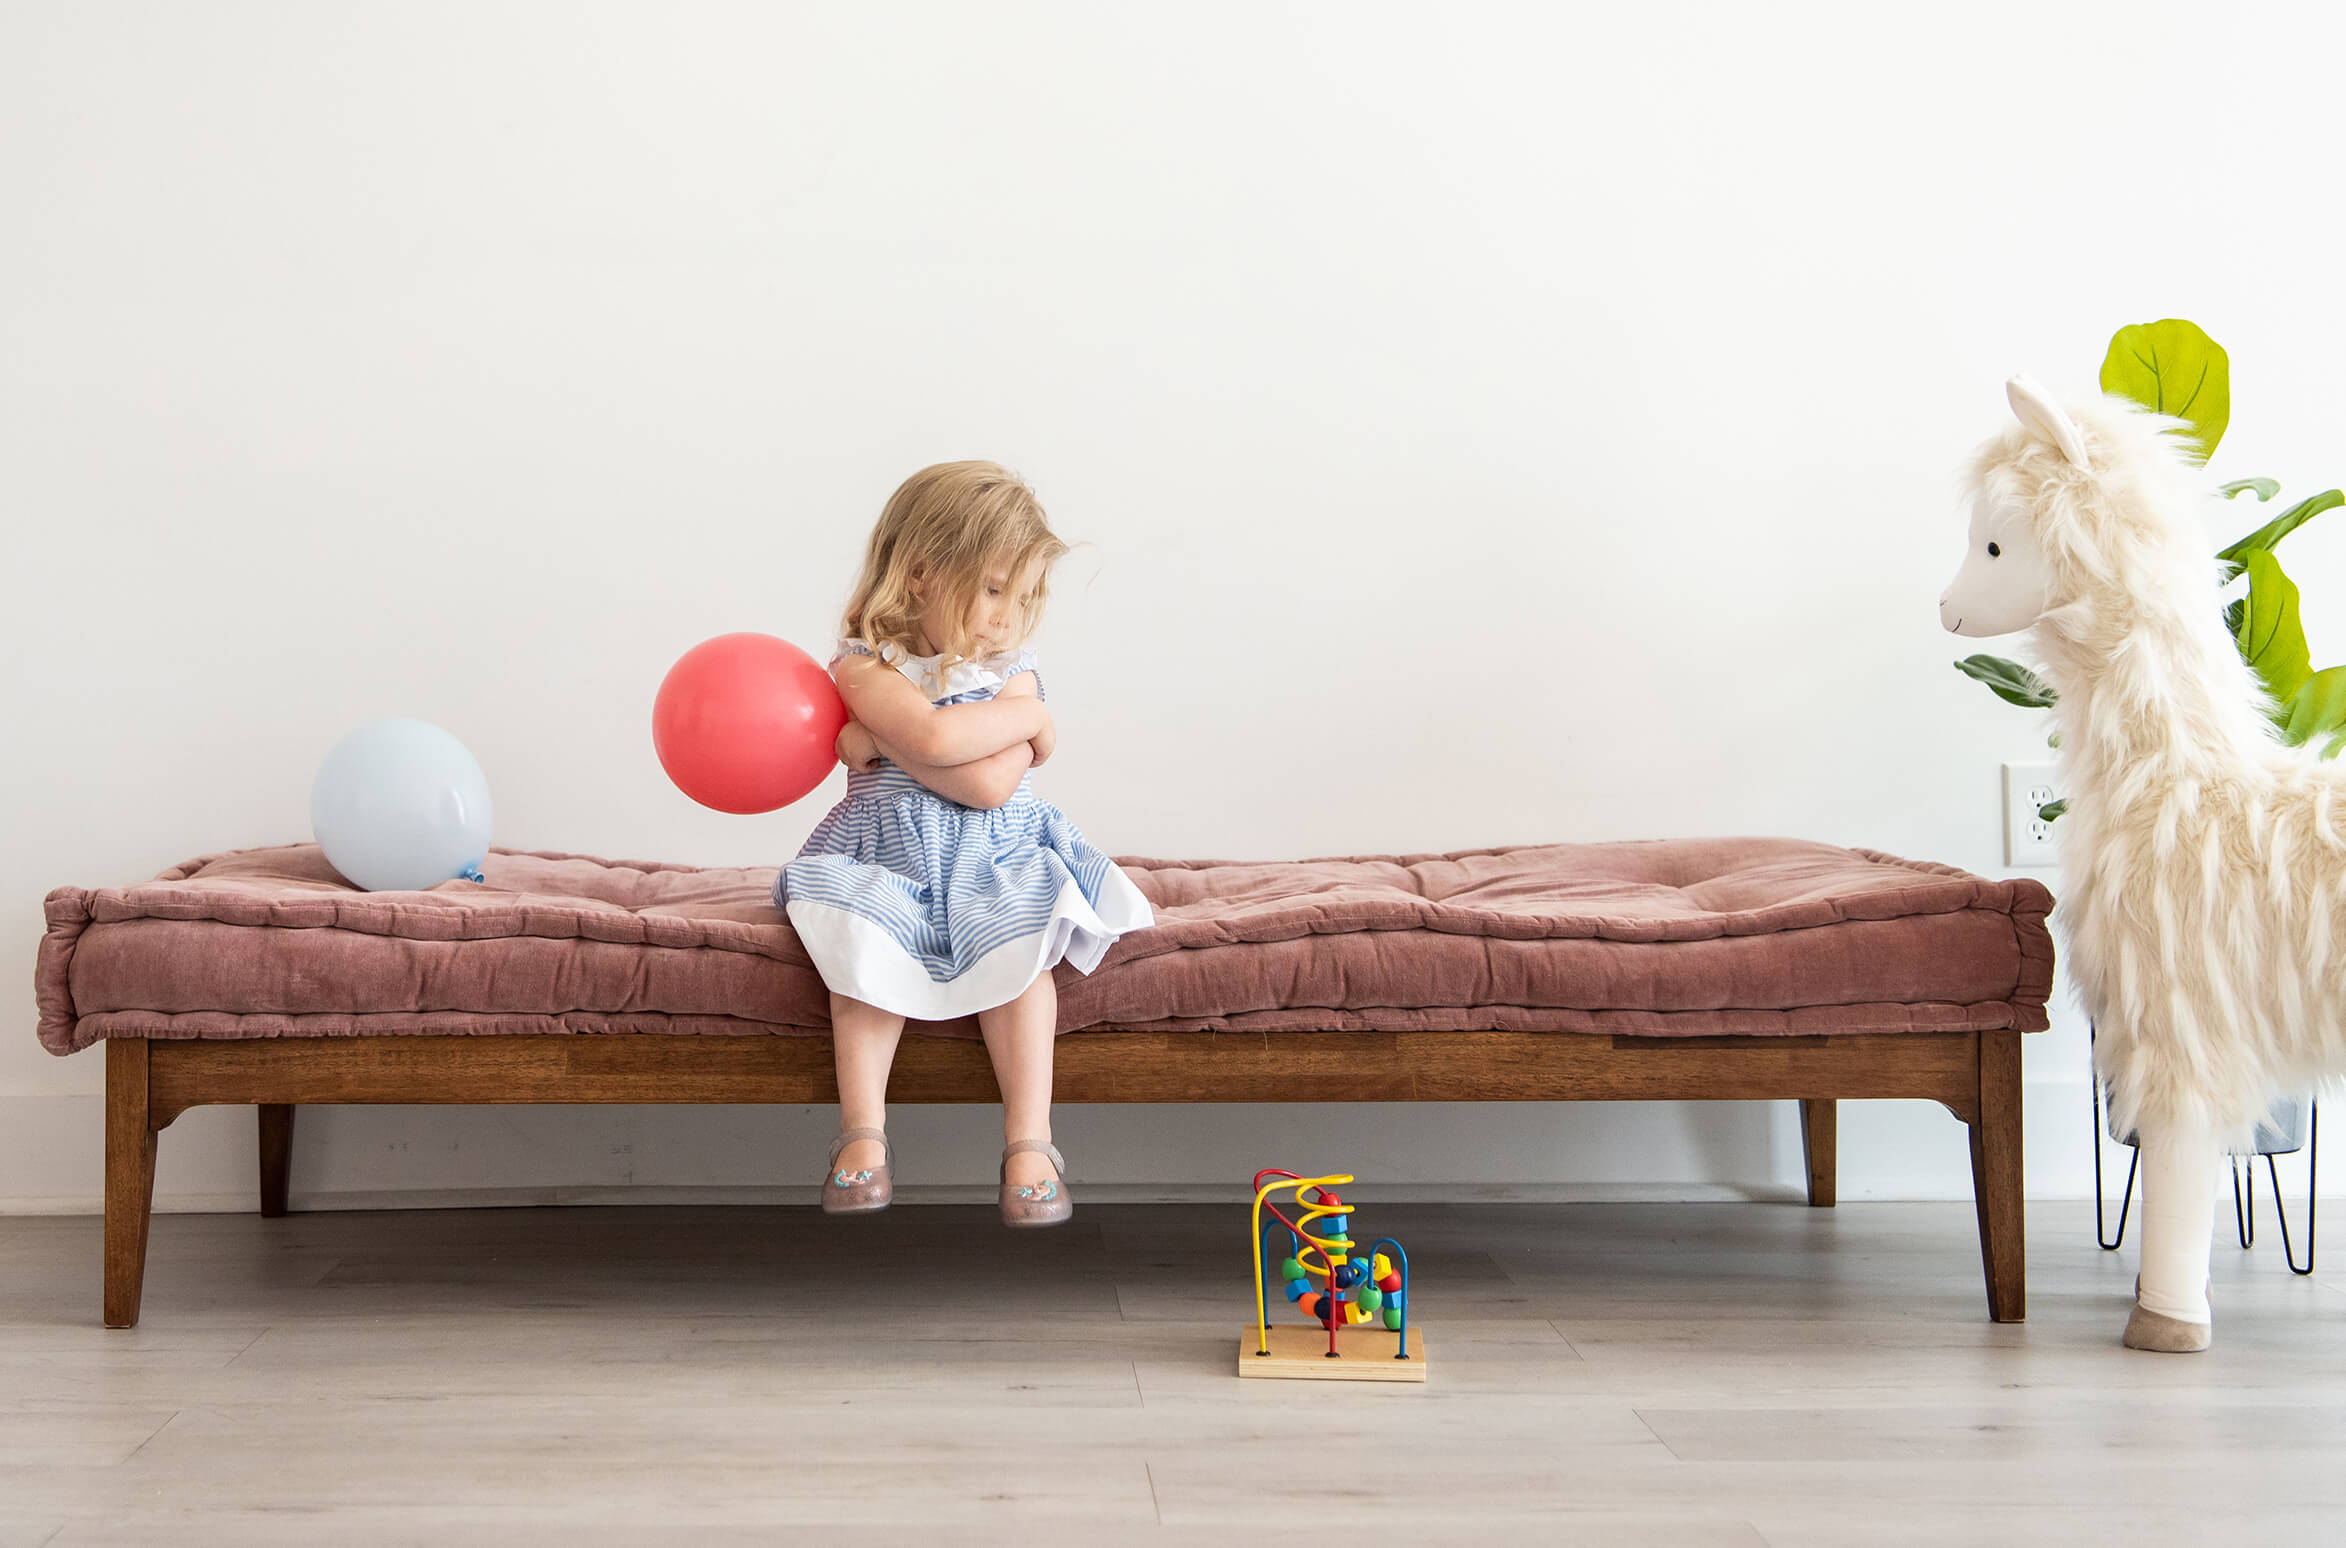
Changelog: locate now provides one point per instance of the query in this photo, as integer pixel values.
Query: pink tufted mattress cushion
(1673, 937)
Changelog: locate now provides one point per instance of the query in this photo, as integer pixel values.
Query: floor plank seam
(142, 1445)
(1659, 1438)
(247, 1349)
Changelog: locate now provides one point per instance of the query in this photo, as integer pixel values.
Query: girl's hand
(857, 748)
(1045, 744)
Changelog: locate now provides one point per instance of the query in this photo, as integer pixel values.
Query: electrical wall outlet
(2028, 838)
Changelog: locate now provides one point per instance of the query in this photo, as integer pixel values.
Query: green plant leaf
(2271, 636)
(2319, 709)
(2172, 366)
(2009, 681)
(2051, 811)
(2234, 612)
(2279, 527)
(2265, 488)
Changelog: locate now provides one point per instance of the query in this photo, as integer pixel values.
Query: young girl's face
(997, 618)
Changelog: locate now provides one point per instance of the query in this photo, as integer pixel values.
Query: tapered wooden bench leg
(276, 1155)
(130, 1178)
(1817, 1131)
(1996, 1177)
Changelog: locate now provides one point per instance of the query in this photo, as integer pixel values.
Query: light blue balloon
(401, 805)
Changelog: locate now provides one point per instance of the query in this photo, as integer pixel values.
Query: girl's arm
(984, 783)
(900, 718)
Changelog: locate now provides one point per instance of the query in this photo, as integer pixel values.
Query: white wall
(1535, 424)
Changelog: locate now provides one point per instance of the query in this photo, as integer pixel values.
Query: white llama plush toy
(2202, 864)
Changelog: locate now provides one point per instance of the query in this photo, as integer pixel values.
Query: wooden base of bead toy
(1301, 1354)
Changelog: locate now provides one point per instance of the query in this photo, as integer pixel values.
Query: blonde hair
(943, 529)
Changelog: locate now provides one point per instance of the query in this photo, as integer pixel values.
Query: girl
(941, 885)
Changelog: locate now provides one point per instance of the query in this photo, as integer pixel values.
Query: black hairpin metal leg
(2113, 1243)
(2313, 1158)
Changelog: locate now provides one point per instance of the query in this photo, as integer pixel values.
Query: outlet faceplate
(2028, 838)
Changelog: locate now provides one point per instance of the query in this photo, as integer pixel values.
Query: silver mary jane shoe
(1035, 1204)
(859, 1192)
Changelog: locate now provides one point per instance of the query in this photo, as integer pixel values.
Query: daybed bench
(1669, 969)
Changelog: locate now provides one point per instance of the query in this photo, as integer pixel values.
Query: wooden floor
(1609, 1374)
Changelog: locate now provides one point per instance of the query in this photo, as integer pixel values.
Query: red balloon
(747, 723)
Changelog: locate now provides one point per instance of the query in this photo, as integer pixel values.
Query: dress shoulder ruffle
(962, 677)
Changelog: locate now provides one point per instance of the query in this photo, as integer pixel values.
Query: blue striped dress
(931, 909)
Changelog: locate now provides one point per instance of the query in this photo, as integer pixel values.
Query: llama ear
(2037, 411)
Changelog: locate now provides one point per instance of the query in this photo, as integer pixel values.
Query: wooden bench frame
(1976, 1075)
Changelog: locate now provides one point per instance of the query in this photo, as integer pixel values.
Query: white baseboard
(965, 1193)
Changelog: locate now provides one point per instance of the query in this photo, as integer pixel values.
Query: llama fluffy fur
(2203, 859)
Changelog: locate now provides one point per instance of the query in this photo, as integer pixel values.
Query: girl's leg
(1018, 1040)
(863, 1046)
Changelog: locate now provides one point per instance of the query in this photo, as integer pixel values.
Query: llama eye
(1994, 552)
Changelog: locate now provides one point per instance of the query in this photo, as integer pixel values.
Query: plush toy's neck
(2151, 690)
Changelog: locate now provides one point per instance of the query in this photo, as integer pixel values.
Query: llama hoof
(2161, 1334)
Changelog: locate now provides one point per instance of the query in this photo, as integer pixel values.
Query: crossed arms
(974, 754)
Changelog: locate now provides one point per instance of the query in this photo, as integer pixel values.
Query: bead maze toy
(1355, 1302)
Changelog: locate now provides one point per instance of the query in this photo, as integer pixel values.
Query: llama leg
(2178, 1229)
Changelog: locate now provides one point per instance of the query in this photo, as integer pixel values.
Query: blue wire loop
(1401, 1349)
